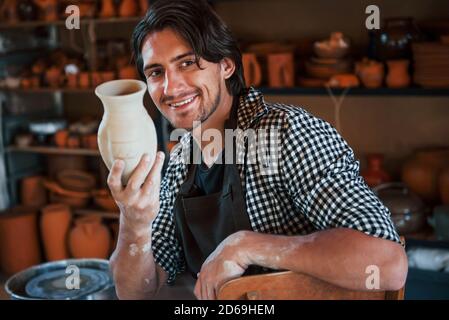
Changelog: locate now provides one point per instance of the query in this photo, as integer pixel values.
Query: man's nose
(173, 84)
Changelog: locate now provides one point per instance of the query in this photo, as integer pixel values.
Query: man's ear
(227, 67)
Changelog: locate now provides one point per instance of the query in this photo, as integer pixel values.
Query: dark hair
(198, 24)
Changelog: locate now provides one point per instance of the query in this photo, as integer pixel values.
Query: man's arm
(135, 273)
(338, 256)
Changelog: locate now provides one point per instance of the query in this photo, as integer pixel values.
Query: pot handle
(390, 185)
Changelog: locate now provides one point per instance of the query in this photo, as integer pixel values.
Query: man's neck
(215, 121)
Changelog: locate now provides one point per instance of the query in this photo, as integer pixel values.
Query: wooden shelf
(33, 24)
(54, 150)
(49, 90)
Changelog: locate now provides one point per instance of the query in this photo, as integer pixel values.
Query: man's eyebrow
(178, 57)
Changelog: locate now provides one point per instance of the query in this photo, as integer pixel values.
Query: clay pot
(281, 70)
(398, 76)
(58, 162)
(53, 77)
(128, 8)
(107, 9)
(370, 72)
(422, 170)
(89, 238)
(375, 174)
(143, 6)
(252, 70)
(123, 104)
(49, 9)
(73, 142)
(84, 80)
(32, 192)
(72, 80)
(74, 199)
(91, 141)
(76, 180)
(55, 223)
(61, 137)
(343, 81)
(104, 200)
(19, 241)
(96, 78)
(127, 72)
(8, 11)
(443, 184)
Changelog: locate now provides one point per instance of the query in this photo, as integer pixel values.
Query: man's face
(183, 92)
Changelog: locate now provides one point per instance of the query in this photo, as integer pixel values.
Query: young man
(314, 214)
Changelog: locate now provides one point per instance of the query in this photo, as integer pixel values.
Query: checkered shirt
(314, 186)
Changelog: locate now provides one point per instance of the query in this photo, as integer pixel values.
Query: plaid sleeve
(166, 248)
(322, 177)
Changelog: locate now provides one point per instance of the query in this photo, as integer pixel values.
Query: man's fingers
(115, 177)
(140, 172)
(197, 289)
(154, 176)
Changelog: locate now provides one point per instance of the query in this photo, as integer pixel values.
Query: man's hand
(139, 200)
(227, 262)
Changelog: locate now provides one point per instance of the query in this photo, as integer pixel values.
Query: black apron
(202, 222)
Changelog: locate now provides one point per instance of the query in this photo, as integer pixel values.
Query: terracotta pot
(61, 137)
(76, 180)
(49, 9)
(128, 72)
(32, 191)
(143, 6)
(73, 142)
(422, 170)
(8, 11)
(281, 70)
(91, 141)
(58, 162)
(443, 184)
(55, 223)
(252, 70)
(343, 81)
(128, 8)
(89, 238)
(74, 199)
(370, 72)
(25, 83)
(35, 82)
(96, 78)
(53, 77)
(72, 80)
(104, 200)
(107, 9)
(398, 76)
(375, 174)
(19, 241)
(84, 80)
(123, 104)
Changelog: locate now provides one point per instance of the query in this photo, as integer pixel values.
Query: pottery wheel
(52, 285)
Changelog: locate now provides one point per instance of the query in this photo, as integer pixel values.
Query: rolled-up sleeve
(322, 177)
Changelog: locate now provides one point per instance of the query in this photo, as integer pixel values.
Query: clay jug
(370, 72)
(281, 71)
(251, 69)
(128, 8)
(375, 174)
(143, 5)
(398, 76)
(55, 223)
(89, 238)
(443, 183)
(422, 170)
(126, 131)
(33, 192)
(49, 9)
(107, 9)
(19, 240)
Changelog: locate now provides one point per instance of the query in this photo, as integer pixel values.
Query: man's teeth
(182, 102)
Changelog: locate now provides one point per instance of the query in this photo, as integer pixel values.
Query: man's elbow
(396, 269)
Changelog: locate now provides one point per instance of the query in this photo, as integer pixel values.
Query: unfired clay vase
(19, 241)
(55, 223)
(126, 131)
(281, 70)
(89, 238)
(251, 69)
(398, 76)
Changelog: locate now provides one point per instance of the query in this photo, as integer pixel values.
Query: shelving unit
(54, 150)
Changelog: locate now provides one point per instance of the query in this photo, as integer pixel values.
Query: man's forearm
(133, 267)
(338, 256)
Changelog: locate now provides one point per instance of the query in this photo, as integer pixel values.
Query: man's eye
(187, 63)
(154, 74)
